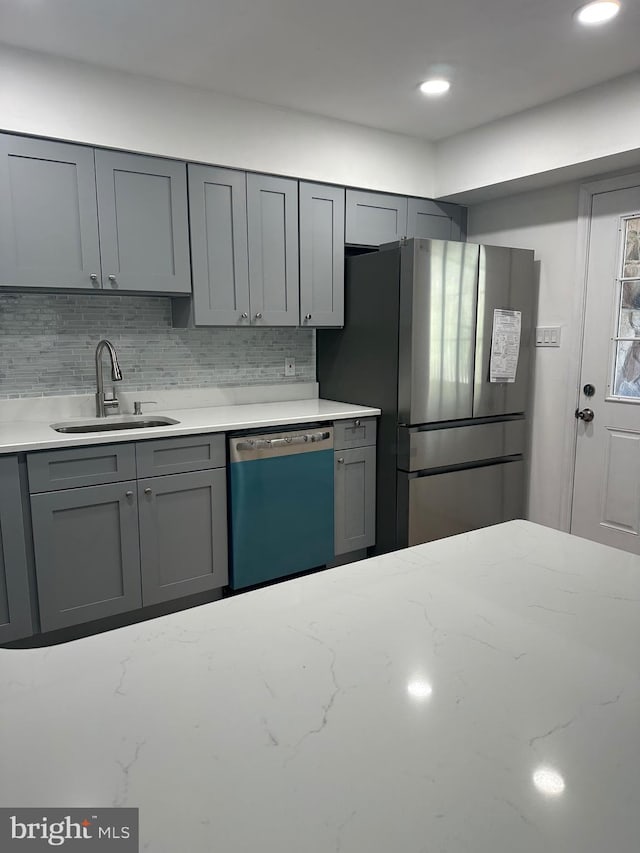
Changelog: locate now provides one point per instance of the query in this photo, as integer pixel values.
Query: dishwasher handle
(242, 449)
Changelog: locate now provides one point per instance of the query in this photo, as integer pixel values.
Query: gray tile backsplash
(48, 341)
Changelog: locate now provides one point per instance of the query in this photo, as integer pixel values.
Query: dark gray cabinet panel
(218, 227)
(142, 211)
(272, 222)
(180, 455)
(50, 470)
(321, 255)
(355, 499)
(435, 220)
(87, 553)
(48, 219)
(15, 608)
(372, 218)
(183, 534)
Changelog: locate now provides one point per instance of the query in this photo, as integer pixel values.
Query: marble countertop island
(479, 693)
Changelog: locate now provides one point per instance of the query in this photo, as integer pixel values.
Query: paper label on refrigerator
(505, 345)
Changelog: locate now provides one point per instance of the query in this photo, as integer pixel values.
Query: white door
(606, 491)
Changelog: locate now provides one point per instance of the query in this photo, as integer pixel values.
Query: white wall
(588, 133)
(69, 100)
(546, 221)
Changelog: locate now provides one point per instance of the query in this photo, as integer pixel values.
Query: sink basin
(111, 423)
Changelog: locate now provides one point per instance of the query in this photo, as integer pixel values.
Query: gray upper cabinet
(15, 607)
(142, 211)
(87, 553)
(48, 218)
(272, 223)
(321, 255)
(372, 218)
(435, 220)
(218, 225)
(183, 534)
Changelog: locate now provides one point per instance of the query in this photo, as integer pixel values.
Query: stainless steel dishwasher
(281, 504)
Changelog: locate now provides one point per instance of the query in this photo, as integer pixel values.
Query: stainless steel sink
(111, 423)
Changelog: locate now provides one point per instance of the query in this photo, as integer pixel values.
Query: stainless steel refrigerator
(438, 335)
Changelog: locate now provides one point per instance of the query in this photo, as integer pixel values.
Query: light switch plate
(289, 367)
(548, 336)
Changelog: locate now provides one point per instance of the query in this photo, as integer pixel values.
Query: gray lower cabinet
(87, 553)
(272, 229)
(183, 534)
(321, 255)
(144, 234)
(121, 526)
(15, 607)
(355, 499)
(48, 216)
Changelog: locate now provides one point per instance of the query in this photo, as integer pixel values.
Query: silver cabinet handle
(259, 316)
(112, 279)
(129, 494)
(340, 461)
(147, 491)
(307, 316)
(93, 277)
(244, 315)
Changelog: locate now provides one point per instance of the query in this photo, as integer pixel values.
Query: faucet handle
(137, 405)
(110, 400)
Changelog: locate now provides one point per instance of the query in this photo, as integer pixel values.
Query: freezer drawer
(420, 449)
(433, 506)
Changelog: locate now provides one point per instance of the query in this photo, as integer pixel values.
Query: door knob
(259, 316)
(244, 315)
(585, 415)
(147, 491)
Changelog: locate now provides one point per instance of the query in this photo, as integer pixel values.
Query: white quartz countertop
(480, 693)
(22, 435)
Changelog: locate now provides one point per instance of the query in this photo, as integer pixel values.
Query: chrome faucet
(102, 401)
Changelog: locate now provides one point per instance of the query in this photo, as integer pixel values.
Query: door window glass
(626, 378)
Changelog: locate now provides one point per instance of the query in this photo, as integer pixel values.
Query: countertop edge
(194, 422)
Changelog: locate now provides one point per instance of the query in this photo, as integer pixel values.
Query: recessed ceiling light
(435, 86)
(598, 12)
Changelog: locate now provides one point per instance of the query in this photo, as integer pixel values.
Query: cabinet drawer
(52, 470)
(355, 432)
(180, 455)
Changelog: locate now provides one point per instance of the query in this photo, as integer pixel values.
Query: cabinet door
(183, 534)
(15, 608)
(436, 220)
(372, 219)
(219, 255)
(321, 255)
(355, 499)
(87, 553)
(272, 212)
(48, 217)
(142, 210)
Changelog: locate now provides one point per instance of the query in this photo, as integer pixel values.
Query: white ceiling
(359, 60)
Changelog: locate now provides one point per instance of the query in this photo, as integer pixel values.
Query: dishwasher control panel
(247, 447)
